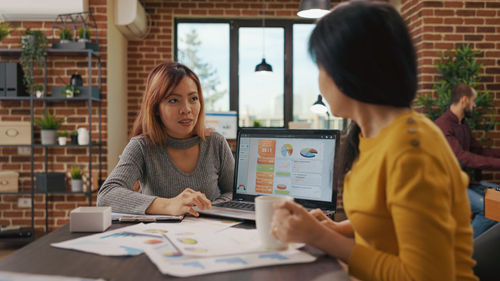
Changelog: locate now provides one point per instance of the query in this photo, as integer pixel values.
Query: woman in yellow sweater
(404, 193)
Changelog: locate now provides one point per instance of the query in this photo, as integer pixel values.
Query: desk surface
(39, 257)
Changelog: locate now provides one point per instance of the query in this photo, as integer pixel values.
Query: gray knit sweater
(158, 176)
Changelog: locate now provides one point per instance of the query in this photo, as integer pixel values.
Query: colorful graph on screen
(308, 152)
(286, 150)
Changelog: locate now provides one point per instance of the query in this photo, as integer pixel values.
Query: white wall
(116, 89)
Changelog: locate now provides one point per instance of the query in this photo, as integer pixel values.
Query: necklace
(183, 143)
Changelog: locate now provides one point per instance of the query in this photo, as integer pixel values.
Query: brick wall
(442, 25)
(73, 114)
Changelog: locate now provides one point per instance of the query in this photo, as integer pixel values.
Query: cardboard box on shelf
(9, 181)
(15, 133)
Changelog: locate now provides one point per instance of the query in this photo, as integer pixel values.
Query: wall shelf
(48, 101)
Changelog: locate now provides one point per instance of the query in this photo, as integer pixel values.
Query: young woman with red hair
(178, 163)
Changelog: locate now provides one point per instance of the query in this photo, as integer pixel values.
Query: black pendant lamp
(263, 66)
(319, 106)
(313, 9)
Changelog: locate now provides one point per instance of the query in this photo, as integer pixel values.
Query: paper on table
(227, 242)
(131, 240)
(118, 242)
(189, 224)
(170, 261)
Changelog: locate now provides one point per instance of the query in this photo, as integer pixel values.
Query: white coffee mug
(264, 211)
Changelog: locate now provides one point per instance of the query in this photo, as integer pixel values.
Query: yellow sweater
(406, 199)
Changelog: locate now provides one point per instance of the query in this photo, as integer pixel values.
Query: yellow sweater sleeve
(419, 201)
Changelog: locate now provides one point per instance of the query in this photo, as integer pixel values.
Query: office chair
(487, 254)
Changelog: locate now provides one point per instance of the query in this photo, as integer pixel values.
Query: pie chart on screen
(287, 150)
(308, 152)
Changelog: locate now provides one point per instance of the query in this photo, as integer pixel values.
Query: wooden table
(39, 257)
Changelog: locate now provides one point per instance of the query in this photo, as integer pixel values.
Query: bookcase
(91, 98)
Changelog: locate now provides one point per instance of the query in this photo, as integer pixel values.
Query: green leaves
(5, 30)
(33, 45)
(460, 66)
(48, 122)
(76, 173)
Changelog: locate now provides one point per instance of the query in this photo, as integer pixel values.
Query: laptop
(298, 163)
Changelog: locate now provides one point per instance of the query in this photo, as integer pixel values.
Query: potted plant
(74, 137)
(62, 137)
(48, 124)
(33, 52)
(76, 179)
(38, 90)
(83, 34)
(70, 91)
(5, 30)
(66, 35)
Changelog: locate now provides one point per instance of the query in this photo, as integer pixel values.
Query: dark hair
(459, 91)
(161, 81)
(365, 47)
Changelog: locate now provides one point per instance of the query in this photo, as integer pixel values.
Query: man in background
(468, 150)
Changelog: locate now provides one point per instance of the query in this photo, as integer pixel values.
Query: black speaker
(11, 80)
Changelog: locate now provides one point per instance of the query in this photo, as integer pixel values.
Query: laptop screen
(298, 163)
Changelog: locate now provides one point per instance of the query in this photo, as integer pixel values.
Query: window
(305, 85)
(224, 53)
(204, 47)
(261, 94)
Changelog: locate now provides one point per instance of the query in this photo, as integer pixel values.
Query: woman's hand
(292, 223)
(344, 227)
(180, 204)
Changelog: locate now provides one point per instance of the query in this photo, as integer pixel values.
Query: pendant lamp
(319, 106)
(313, 9)
(263, 66)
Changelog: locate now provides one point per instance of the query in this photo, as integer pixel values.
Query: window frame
(234, 25)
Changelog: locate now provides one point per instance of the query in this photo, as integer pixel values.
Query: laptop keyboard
(237, 205)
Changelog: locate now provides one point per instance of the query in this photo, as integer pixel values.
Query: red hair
(162, 80)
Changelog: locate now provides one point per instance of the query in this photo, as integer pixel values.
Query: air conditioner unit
(131, 19)
(39, 10)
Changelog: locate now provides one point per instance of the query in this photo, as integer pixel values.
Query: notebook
(298, 163)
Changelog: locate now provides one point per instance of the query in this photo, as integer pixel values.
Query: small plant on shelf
(66, 35)
(62, 137)
(62, 134)
(76, 173)
(74, 137)
(70, 91)
(48, 124)
(83, 34)
(38, 90)
(76, 179)
(33, 52)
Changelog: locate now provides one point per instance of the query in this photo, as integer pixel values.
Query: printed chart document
(231, 249)
(132, 240)
(194, 246)
(119, 242)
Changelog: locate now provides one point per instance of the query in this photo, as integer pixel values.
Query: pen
(171, 243)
